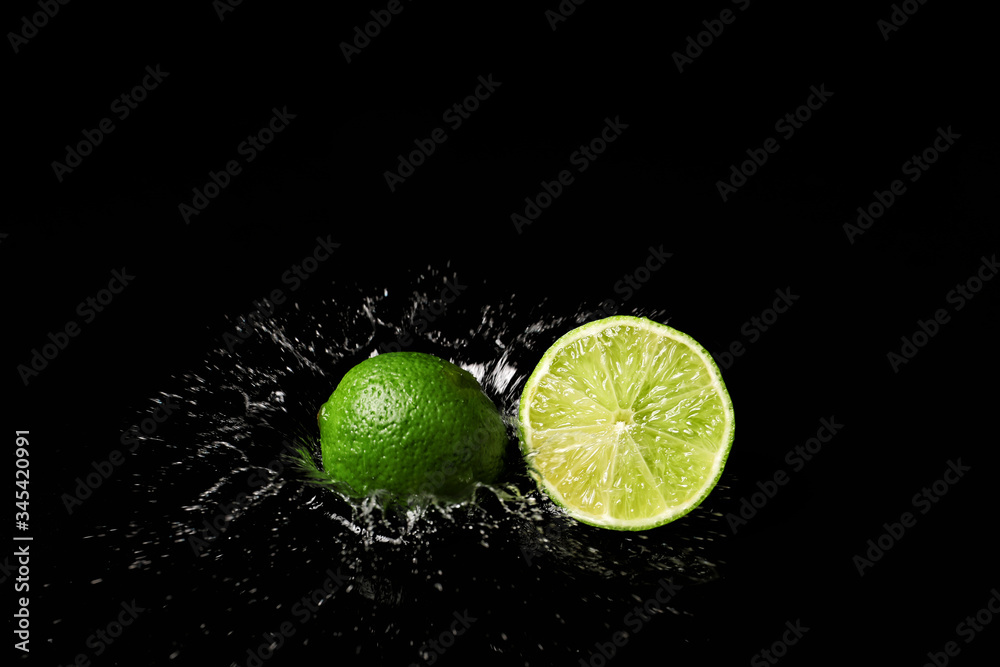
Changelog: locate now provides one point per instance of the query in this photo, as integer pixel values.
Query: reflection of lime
(411, 423)
(626, 423)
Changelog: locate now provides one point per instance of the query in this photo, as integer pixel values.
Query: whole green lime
(410, 424)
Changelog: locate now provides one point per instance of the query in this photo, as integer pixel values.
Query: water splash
(226, 495)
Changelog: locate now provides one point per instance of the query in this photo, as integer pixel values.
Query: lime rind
(411, 424)
(601, 373)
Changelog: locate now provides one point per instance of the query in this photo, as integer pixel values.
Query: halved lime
(626, 423)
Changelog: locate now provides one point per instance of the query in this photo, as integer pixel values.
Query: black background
(655, 186)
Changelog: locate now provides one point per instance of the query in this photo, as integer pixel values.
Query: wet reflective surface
(229, 536)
